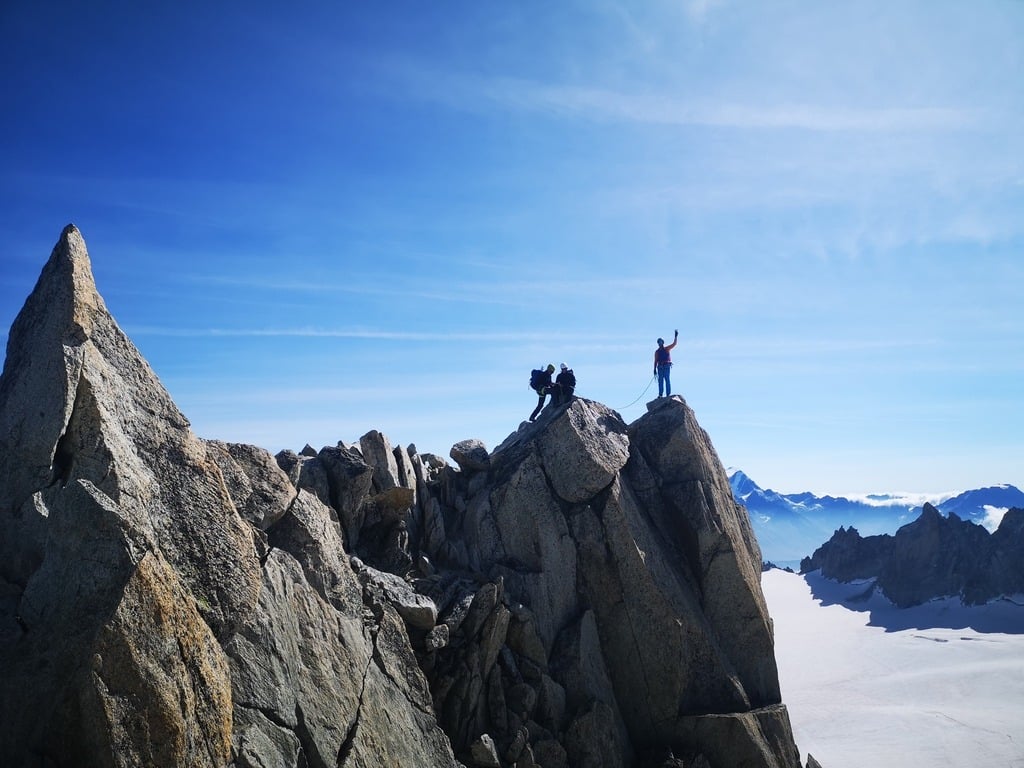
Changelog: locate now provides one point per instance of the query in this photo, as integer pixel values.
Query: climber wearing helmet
(565, 385)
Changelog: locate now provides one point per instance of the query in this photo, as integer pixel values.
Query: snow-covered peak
(742, 485)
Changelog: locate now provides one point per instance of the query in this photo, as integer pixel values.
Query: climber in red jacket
(663, 365)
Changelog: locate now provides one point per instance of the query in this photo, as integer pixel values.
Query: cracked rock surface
(587, 595)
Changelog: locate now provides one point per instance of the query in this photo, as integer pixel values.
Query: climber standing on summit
(663, 365)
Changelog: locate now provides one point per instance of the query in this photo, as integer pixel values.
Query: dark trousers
(552, 390)
(540, 404)
(560, 395)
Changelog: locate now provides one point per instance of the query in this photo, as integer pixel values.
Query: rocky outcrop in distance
(587, 595)
(934, 556)
(790, 525)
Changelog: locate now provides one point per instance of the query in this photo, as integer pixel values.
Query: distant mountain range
(790, 526)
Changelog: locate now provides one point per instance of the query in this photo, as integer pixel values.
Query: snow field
(878, 686)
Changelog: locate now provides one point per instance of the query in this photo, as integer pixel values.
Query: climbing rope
(641, 394)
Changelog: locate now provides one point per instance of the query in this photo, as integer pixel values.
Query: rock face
(934, 556)
(587, 595)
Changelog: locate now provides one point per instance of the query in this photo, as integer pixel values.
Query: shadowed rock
(471, 456)
(261, 491)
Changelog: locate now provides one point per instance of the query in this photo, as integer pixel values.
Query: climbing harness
(641, 394)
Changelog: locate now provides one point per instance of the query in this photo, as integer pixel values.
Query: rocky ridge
(586, 595)
(934, 556)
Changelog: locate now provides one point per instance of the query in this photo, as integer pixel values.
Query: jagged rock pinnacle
(99, 473)
(44, 360)
(72, 272)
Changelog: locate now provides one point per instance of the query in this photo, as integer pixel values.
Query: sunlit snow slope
(881, 686)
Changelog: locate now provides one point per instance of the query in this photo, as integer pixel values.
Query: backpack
(536, 378)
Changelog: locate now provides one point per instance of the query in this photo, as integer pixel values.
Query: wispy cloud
(760, 347)
(743, 349)
(506, 292)
(993, 516)
(602, 104)
(546, 337)
(900, 498)
(466, 293)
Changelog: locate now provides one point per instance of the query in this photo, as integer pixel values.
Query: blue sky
(316, 219)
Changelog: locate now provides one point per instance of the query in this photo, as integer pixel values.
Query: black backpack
(536, 378)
